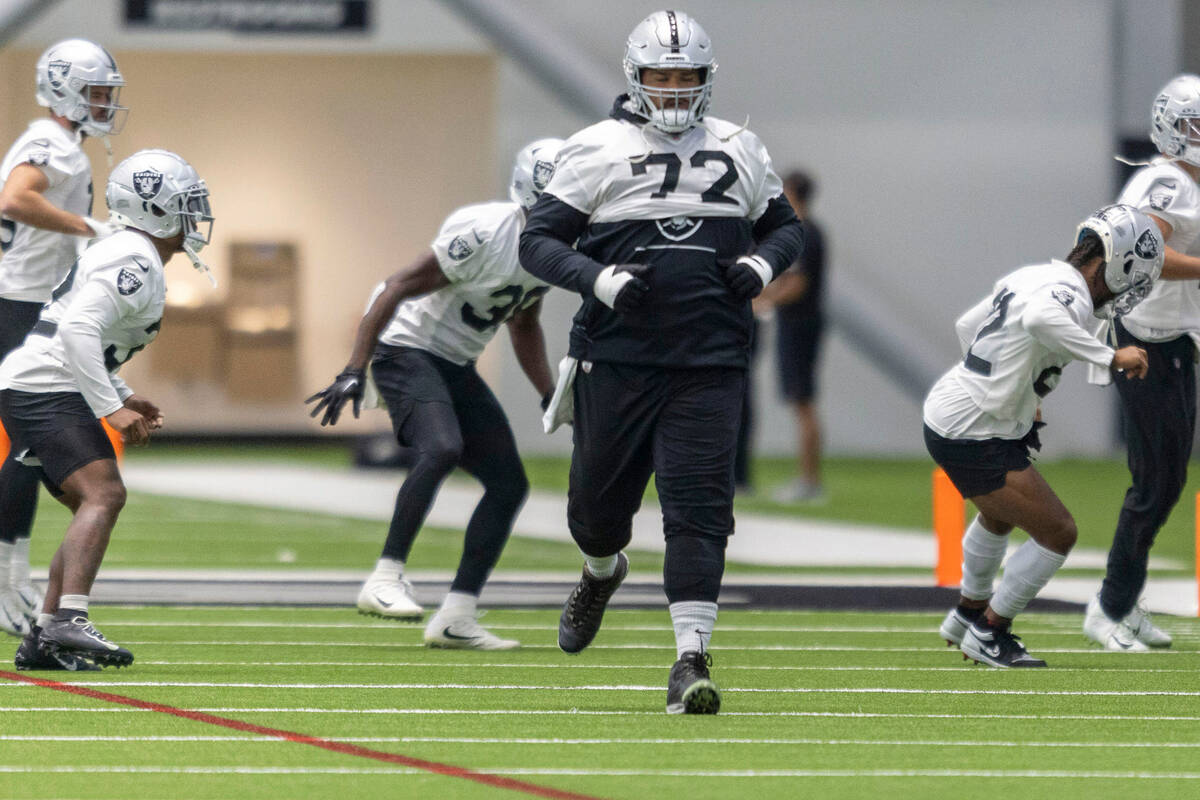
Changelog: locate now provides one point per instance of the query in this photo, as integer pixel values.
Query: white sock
(75, 602)
(18, 574)
(1027, 573)
(6, 549)
(983, 553)
(387, 569)
(459, 604)
(694, 621)
(604, 567)
(44, 619)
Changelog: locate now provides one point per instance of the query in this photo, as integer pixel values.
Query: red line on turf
(448, 770)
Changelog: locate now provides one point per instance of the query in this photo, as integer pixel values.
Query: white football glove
(99, 229)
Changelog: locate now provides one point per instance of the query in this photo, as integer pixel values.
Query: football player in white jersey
(423, 330)
(668, 222)
(981, 417)
(44, 206)
(57, 386)
(1159, 413)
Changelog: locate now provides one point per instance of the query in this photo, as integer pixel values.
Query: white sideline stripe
(641, 646)
(652, 667)
(501, 687)
(622, 741)
(569, 771)
(580, 713)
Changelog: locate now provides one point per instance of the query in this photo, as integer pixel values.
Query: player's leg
(423, 419)
(1159, 414)
(615, 410)
(490, 455)
(693, 459)
(1025, 501)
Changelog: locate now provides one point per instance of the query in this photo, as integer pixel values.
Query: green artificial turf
(828, 705)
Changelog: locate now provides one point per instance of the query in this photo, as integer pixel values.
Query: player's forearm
(529, 345)
(31, 208)
(1180, 267)
(781, 246)
(85, 359)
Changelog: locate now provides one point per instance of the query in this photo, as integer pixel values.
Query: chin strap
(198, 264)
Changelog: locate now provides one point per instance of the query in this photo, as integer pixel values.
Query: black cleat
(996, 647)
(72, 633)
(32, 655)
(690, 689)
(584, 610)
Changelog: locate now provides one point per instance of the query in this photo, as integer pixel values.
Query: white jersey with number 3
(36, 260)
(476, 248)
(1015, 344)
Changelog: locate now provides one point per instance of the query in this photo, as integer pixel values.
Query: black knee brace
(692, 567)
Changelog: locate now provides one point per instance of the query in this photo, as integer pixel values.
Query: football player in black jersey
(667, 222)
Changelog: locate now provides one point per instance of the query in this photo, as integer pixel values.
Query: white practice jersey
(1172, 308)
(34, 260)
(108, 307)
(476, 248)
(615, 171)
(1015, 344)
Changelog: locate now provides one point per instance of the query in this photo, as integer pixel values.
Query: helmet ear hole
(1128, 265)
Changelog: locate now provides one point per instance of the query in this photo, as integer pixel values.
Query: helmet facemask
(669, 40)
(103, 118)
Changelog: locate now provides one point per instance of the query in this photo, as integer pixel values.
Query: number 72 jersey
(1015, 344)
(476, 248)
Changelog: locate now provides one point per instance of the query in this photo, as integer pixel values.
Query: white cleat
(1144, 629)
(463, 633)
(1110, 634)
(389, 599)
(954, 627)
(31, 599)
(12, 614)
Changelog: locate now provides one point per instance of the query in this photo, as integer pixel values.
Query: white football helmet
(532, 170)
(1133, 255)
(64, 74)
(670, 40)
(1175, 119)
(159, 193)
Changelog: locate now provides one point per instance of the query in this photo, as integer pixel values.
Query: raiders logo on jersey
(1063, 296)
(1162, 193)
(459, 248)
(127, 282)
(678, 228)
(39, 159)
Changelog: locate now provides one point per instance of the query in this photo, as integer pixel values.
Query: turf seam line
(437, 768)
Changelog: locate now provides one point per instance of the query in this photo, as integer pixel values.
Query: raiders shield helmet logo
(543, 171)
(147, 183)
(678, 228)
(57, 72)
(1146, 246)
(459, 248)
(127, 282)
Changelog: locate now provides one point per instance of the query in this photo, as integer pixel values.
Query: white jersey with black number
(614, 171)
(109, 306)
(1172, 308)
(476, 248)
(34, 260)
(1015, 344)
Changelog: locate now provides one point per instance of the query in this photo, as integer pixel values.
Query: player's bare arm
(420, 277)
(22, 200)
(529, 344)
(1132, 361)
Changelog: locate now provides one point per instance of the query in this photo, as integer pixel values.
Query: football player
(423, 330)
(44, 208)
(57, 385)
(1159, 413)
(668, 222)
(982, 416)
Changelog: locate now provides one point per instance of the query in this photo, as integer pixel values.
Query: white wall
(952, 141)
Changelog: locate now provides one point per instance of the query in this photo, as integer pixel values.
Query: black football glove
(348, 385)
(619, 292)
(745, 276)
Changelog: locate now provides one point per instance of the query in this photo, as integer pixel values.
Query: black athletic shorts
(58, 428)
(797, 346)
(977, 466)
(16, 320)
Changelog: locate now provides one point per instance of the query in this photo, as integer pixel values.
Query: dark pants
(18, 483)
(1159, 414)
(680, 425)
(449, 418)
